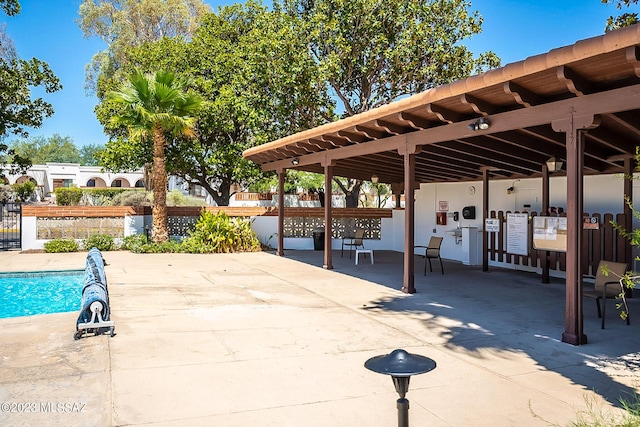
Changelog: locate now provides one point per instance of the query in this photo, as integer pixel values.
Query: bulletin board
(518, 234)
(550, 233)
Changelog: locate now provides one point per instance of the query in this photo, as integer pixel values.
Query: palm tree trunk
(160, 231)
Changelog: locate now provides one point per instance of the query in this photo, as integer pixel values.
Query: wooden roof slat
(414, 120)
(574, 82)
(633, 58)
(521, 95)
(479, 106)
(444, 115)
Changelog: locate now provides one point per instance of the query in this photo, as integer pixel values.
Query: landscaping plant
(61, 245)
(103, 242)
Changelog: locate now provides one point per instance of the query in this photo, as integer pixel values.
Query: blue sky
(46, 29)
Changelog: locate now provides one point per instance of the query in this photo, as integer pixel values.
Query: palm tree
(156, 105)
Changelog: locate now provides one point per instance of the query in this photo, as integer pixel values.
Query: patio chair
(608, 287)
(432, 251)
(353, 242)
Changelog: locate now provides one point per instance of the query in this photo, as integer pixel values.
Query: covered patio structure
(577, 103)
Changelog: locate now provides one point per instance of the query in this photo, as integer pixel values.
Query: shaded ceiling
(520, 101)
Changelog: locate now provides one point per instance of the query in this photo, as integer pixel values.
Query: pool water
(28, 294)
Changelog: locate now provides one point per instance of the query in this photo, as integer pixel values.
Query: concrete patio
(258, 340)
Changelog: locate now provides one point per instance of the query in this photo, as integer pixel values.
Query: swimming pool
(45, 292)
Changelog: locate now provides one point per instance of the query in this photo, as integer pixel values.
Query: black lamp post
(401, 365)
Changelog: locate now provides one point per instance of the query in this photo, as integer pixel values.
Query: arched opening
(120, 183)
(25, 178)
(140, 183)
(96, 182)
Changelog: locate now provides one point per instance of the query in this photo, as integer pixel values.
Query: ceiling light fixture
(295, 161)
(480, 124)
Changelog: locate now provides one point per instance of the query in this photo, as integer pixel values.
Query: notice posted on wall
(517, 233)
(550, 233)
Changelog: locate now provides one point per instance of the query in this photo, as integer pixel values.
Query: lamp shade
(554, 165)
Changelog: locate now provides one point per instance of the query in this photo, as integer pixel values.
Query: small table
(364, 251)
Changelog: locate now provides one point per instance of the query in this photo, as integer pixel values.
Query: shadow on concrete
(505, 311)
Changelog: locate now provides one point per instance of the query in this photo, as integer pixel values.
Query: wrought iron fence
(10, 225)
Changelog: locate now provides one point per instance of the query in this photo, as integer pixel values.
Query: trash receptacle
(318, 239)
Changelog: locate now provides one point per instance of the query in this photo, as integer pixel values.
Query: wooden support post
(485, 215)
(573, 127)
(626, 209)
(280, 249)
(328, 215)
(545, 210)
(409, 153)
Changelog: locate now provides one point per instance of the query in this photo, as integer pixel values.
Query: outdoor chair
(432, 251)
(353, 242)
(608, 287)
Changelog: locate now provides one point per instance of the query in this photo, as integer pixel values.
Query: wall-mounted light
(510, 189)
(295, 161)
(374, 178)
(480, 124)
(554, 165)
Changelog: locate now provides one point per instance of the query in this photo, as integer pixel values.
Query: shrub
(103, 242)
(132, 198)
(68, 196)
(134, 243)
(24, 191)
(220, 233)
(176, 198)
(61, 245)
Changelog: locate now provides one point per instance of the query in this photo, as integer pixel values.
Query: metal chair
(608, 287)
(353, 242)
(432, 251)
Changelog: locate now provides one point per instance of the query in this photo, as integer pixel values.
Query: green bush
(176, 198)
(61, 245)
(68, 196)
(24, 191)
(103, 242)
(220, 233)
(212, 234)
(133, 198)
(134, 243)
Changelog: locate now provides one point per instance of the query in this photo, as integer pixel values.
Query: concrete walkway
(259, 340)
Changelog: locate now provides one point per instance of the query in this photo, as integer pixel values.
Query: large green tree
(372, 52)
(89, 154)
(259, 82)
(42, 150)
(624, 19)
(152, 107)
(121, 24)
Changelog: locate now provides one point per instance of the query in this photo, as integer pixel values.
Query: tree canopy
(372, 52)
(122, 24)
(56, 149)
(40, 150)
(269, 72)
(241, 61)
(10, 7)
(624, 19)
